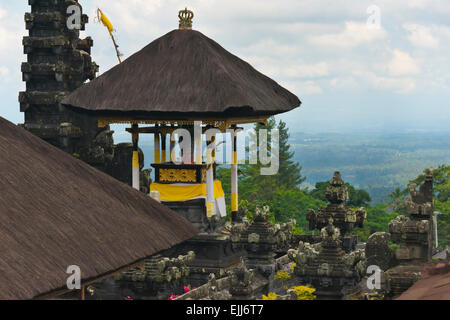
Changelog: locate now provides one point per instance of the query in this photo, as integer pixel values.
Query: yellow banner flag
(104, 19)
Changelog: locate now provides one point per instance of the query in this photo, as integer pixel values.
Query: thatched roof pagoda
(183, 75)
(57, 211)
(183, 80)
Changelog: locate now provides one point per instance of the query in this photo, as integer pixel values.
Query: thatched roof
(57, 211)
(186, 73)
(435, 284)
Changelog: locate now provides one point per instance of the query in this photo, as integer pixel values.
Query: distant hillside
(376, 163)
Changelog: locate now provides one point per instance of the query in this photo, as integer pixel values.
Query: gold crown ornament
(186, 17)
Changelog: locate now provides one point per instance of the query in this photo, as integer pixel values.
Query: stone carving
(344, 218)
(378, 252)
(414, 235)
(237, 229)
(326, 266)
(177, 175)
(282, 233)
(161, 269)
(290, 295)
(258, 239)
(240, 280)
(58, 62)
(214, 292)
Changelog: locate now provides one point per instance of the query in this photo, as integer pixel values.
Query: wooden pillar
(234, 177)
(198, 142)
(163, 147)
(135, 160)
(82, 293)
(157, 147)
(172, 145)
(210, 200)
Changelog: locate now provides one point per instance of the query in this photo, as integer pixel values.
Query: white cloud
(421, 36)
(319, 69)
(302, 87)
(274, 48)
(310, 87)
(344, 82)
(8, 32)
(311, 47)
(400, 85)
(291, 68)
(418, 3)
(402, 64)
(353, 35)
(4, 72)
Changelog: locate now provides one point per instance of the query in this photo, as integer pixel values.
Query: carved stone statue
(343, 217)
(241, 280)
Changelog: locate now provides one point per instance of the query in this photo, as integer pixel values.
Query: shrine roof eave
(187, 118)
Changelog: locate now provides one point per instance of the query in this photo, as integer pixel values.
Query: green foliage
(443, 222)
(281, 192)
(288, 200)
(289, 175)
(263, 187)
(376, 163)
(441, 182)
(378, 218)
(294, 203)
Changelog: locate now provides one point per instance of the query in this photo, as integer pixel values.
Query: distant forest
(379, 166)
(376, 163)
(376, 167)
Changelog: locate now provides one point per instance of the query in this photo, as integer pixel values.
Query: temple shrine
(193, 97)
(179, 88)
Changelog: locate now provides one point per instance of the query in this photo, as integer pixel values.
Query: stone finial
(337, 179)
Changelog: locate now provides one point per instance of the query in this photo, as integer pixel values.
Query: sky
(357, 66)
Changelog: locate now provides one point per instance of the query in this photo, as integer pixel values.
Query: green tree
(378, 218)
(289, 173)
(263, 187)
(294, 203)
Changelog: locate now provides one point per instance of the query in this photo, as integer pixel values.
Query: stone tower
(343, 217)
(414, 234)
(58, 62)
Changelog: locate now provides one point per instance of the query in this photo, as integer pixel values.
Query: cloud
(8, 29)
(421, 36)
(353, 35)
(344, 82)
(418, 3)
(302, 87)
(4, 72)
(399, 85)
(310, 87)
(402, 64)
(288, 69)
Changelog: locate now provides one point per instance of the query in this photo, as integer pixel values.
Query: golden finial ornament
(186, 17)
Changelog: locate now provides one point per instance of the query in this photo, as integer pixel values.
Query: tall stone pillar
(58, 62)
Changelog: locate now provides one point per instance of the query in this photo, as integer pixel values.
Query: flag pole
(103, 19)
